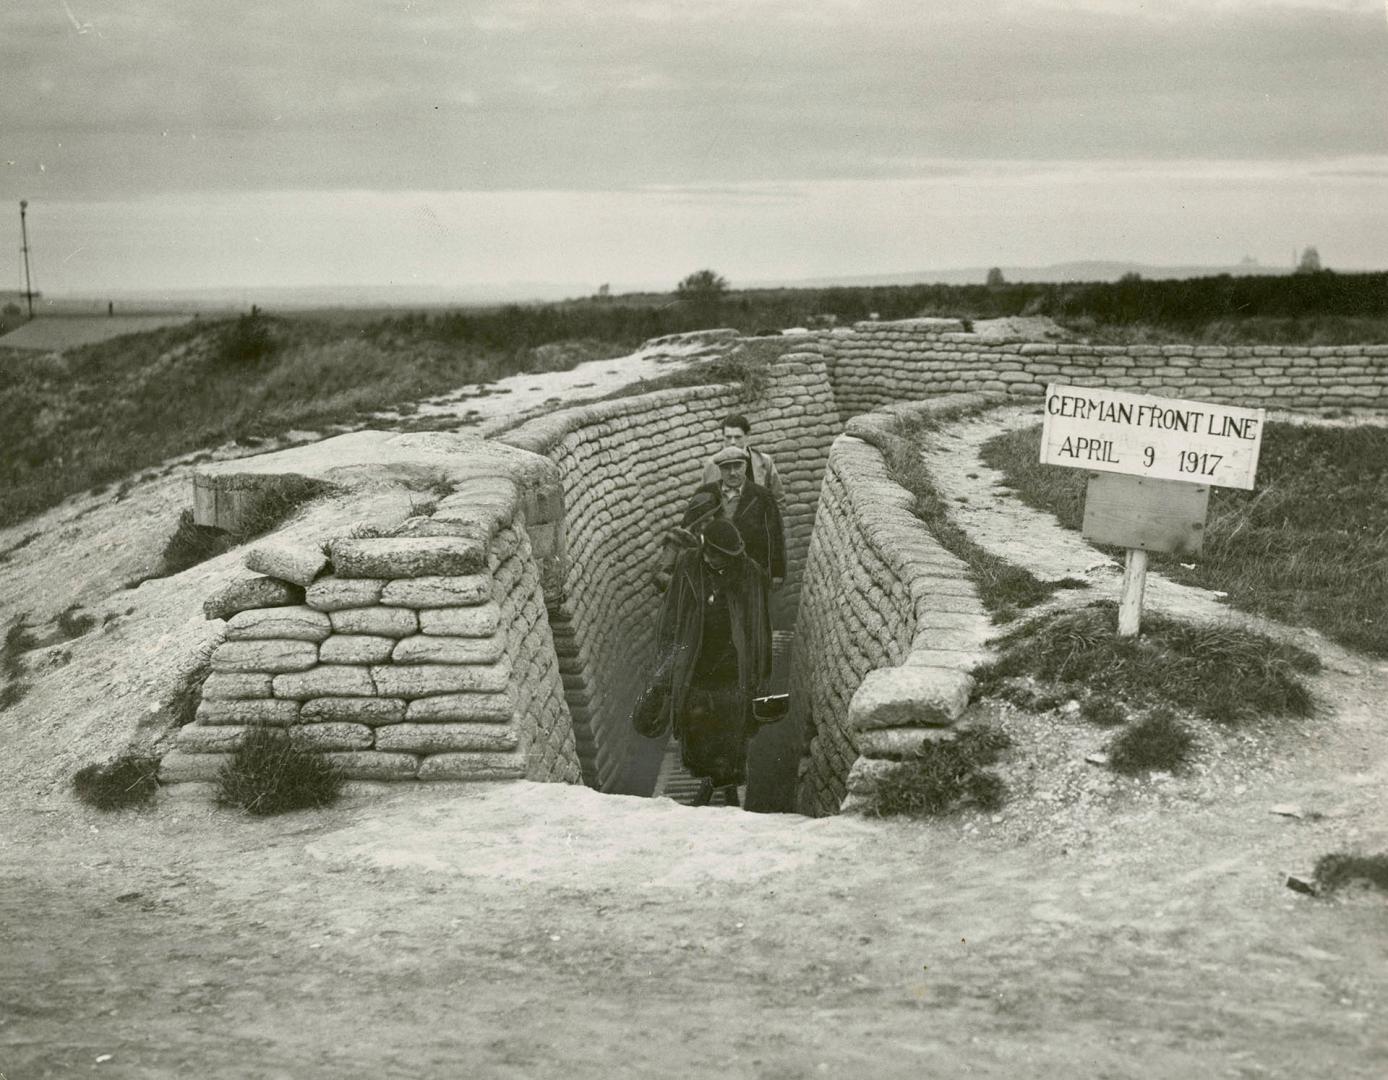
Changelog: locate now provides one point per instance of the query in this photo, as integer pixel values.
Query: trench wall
(628, 468)
(876, 363)
(409, 650)
(879, 592)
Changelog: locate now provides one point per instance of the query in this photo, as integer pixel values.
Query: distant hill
(1057, 272)
(387, 297)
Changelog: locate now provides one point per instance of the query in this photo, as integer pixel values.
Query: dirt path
(1094, 927)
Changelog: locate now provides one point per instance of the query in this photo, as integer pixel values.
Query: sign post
(1152, 462)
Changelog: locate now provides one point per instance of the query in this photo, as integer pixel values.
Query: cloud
(573, 94)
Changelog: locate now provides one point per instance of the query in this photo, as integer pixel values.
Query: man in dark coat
(714, 637)
(750, 508)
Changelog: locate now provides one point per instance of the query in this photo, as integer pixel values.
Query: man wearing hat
(748, 506)
(714, 636)
(761, 470)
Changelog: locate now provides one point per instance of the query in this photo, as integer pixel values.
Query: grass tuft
(1157, 741)
(73, 622)
(1337, 870)
(12, 693)
(945, 776)
(1103, 711)
(268, 774)
(1227, 674)
(129, 780)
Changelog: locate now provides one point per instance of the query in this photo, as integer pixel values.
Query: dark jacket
(681, 627)
(757, 520)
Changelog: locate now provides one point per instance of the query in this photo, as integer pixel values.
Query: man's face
(735, 436)
(733, 474)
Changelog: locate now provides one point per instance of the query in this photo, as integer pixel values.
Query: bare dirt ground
(1096, 926)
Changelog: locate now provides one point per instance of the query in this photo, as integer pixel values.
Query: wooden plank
(1150, 515)
(1198, 442)
(1130, 600)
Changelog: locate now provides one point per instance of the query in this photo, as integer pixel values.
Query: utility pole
(24, 235)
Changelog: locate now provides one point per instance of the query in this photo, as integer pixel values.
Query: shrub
(1337, 870)
(129, 780)
(1158, 741)
(246, 341)
(945, 776)
(268, 774)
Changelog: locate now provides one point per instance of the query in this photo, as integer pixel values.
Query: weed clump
(1230, 675)
(1338, 870)
(129, 780)
(268, 774)
(945, 776)
(1103, 711)
(1157, 741)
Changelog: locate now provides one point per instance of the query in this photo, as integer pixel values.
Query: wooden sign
(1160, 438)
(1139, 512)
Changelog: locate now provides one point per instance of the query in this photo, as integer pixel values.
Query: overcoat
(681, 626)
(758, 521)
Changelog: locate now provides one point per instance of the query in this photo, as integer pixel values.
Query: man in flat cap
(761, 470)
(747, 505)
(714, 640)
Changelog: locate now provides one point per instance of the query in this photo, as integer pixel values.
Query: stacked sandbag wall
(629, 467)
(421, 654)
(890, 624)
(876, 363)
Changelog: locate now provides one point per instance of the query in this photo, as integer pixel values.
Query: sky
(205, 144)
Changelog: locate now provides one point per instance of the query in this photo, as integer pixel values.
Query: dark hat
(731, 454)
(722, 535)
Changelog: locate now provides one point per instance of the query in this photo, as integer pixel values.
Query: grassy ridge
(1308, 547)
(95, 415)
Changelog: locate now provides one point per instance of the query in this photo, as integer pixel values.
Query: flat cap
(731, 454)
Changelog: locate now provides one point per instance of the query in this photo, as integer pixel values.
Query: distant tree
(1310, 262)
(702, 287)
(1130, 276)
(995, 278)
(604, 291)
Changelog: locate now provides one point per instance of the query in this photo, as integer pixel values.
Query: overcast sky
(253, 142)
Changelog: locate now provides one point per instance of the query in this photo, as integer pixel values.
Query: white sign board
(1163, 438)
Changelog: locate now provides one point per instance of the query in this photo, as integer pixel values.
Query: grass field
(1308, 547)
(95, 415)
